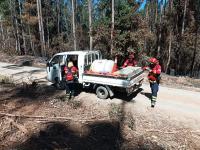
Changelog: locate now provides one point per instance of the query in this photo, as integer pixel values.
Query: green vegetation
(167, 30)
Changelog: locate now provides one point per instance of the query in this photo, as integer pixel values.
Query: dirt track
(176, 103)
(176, 108)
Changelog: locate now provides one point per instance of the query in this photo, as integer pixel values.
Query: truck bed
(123, 78)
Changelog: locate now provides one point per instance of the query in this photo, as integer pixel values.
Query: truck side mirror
(49, 64)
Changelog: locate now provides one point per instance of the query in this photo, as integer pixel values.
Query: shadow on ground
(25, 95)
(126, 98)
(119, 95)
(95, 136)
(148, 95)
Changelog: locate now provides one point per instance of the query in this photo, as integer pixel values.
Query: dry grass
(5, 80)
(115, 112)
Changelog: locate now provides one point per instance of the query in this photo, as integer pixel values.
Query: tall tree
(2, 33)
(58, 15)
(184, 14)
(41, 28)
(170, 36)
(14, 22)
(22, 26)
(90, 22)
(197, 26)
(73, 25)
(160, 29)
(112, 26)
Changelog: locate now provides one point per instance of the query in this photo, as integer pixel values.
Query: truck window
(74, 59)
(93, 57)
(57, 59)
(96, 56)
(86, 60)
(89, 59)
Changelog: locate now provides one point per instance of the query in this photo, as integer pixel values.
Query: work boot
(72, 97)
(153, 103)
(67, 97)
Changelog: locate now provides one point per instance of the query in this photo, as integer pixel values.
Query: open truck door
(54, 68)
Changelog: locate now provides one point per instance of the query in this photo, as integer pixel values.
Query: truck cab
(81, 59)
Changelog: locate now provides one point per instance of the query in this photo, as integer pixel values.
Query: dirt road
(177, 104)
(178, 107)
(20, 73)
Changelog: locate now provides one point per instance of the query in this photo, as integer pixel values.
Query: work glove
(146, 68)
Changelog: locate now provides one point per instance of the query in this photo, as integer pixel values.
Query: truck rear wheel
(102, 92)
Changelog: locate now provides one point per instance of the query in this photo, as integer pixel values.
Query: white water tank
(102, 66)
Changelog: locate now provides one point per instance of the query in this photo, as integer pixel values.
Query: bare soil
(35, 117)
(45, 119)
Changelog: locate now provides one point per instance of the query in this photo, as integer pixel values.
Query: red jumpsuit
(154, 78)
(129, 62)
(154, 73)
(70, 74)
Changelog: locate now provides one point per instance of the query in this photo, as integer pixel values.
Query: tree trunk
(58, 16)
(48, 43)
(170, 38)
(90, 22)
(2, 34)
(169, 52)
(31, 42)
(160, 30)
(41, 29)
(112, 26)
(15, 25)
(73, 24)
(147, 16)
(195, 51)
(8, 37)
(184, 14)
(22, 28)
(156, 11)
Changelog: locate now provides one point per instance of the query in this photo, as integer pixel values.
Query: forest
(166, 29)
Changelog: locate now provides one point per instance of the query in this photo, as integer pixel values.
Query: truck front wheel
(102, 92)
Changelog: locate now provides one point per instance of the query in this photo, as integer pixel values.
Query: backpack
(69, 75)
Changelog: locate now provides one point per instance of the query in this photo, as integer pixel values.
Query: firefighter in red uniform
(154, 78)
(71, 75)
(130, 61)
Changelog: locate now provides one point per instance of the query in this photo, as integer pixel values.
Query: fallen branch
(35, 117)
(49, 119)
(171, 132)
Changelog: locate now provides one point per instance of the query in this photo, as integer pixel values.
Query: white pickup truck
(105, 85)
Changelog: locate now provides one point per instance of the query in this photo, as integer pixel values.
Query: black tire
(102, 92)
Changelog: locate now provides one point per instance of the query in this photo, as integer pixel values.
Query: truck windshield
(57, 60)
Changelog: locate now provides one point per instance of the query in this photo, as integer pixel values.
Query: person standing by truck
(71, 73)
(130, 61)
(154, 78)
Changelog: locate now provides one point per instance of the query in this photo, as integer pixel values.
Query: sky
(144, 3)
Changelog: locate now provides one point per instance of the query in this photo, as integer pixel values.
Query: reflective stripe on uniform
(153, 98)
